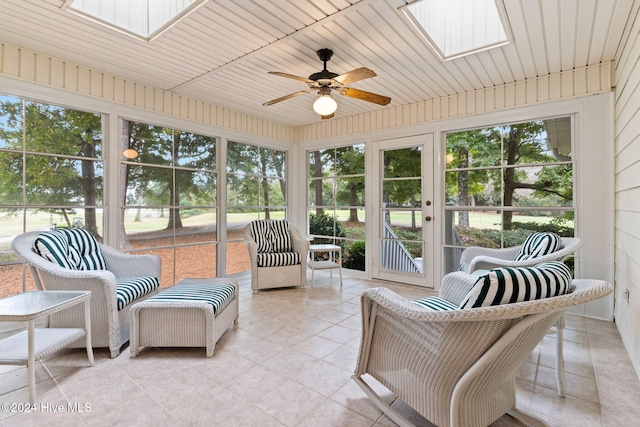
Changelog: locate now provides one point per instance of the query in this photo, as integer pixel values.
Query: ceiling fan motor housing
(324, 55)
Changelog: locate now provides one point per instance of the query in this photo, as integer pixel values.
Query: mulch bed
(192, 261)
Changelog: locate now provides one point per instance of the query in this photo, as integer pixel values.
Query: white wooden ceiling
(221, 52)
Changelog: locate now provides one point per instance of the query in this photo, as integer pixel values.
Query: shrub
(355, 256)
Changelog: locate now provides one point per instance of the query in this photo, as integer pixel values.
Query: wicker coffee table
(193, 313)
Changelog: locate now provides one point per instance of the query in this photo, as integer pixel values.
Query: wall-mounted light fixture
(130, 153)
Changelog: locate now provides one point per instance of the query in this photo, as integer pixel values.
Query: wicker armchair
(455, 368)
(477, 258)
(109, 325)
(267, 267)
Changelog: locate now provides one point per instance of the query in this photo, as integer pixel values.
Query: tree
(349, 162)
(67, 176)
(464, 148)
(520, 144)
(403, 163)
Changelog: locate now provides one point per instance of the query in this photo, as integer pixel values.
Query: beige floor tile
(317, 346)
(331, 413)
(569, 411)
(290, 402)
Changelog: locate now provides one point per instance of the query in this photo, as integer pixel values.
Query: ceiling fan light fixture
(325, 105)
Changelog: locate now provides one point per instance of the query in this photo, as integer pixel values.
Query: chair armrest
(300, 244)
(472, 252)
(123, 264)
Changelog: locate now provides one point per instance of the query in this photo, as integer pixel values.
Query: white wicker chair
(455, 368)
(478, 258)
(109, 327)
(277, 277)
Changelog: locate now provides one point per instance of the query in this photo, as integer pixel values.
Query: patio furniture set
(452, 357)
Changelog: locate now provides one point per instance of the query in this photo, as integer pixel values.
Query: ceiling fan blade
(355, 75)
(328, 116)
(284, 98)
(290, 76)
(365, 96)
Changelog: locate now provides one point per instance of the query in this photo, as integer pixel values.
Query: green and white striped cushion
(436, 304)
(89, 251)
(54, 246)
(509, 285)
(74, 249)
(131, 288)
(219, 295)
(539, 244)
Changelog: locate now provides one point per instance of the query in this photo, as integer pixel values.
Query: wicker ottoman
(193, 313)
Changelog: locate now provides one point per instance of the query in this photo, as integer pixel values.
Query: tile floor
(289, 362)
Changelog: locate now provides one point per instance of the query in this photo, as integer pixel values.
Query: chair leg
(388, 410)
(526, 418)
(560, 356)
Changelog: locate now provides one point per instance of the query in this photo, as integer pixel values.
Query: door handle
(428, 218)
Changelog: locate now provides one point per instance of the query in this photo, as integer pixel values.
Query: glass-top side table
(332, 263)
(32, 345)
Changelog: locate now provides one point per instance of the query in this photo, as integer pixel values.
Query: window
(51, 176)
(168, 199)
(256, 189)
(336, 201)
(505, 182)
(143, 18)
(454, 28)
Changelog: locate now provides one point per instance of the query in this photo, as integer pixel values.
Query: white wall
(627, 188)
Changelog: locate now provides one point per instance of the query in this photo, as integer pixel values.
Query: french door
(403, 211)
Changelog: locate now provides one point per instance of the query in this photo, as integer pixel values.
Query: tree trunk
(463, 186)
(175, 221)
(353, 201)
(89, 182)
(510, 175)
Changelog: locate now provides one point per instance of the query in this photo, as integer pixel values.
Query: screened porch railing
(394, 254)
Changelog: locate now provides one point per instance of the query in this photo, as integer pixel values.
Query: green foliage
(70, 178)
(355, 256)
(325, 225)
(488, 238)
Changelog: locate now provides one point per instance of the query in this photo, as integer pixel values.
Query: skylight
(455, 28)
(142, 18)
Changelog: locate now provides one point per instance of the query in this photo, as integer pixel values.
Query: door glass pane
(402, 193)
(401, 234)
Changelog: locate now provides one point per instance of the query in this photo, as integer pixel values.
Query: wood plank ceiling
(221, 52)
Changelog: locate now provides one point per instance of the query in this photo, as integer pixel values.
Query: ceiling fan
(325, 81)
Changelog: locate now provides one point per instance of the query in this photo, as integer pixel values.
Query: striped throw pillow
(435, 304)
(280, 236)
(54, 246)
(539, 244)
(261, 233)
(75, 249)
(89, 253)
(509, 285)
